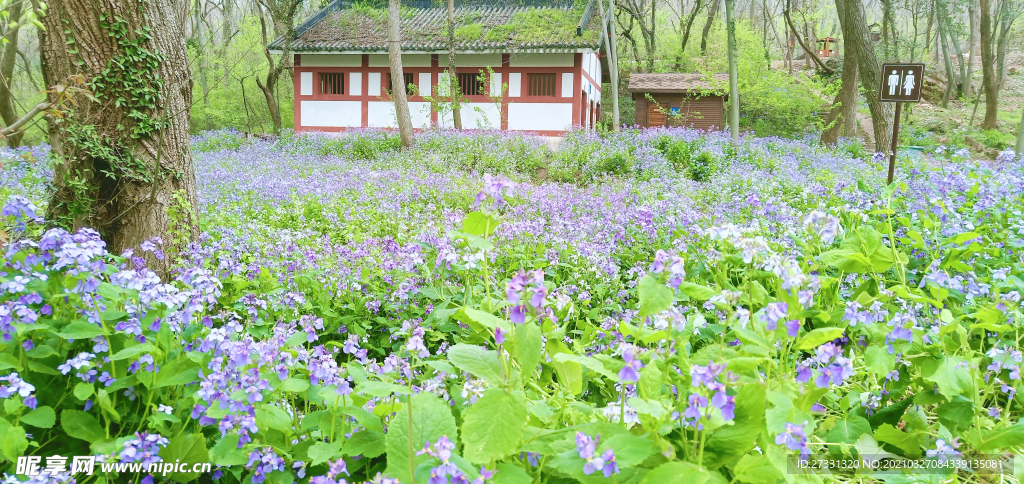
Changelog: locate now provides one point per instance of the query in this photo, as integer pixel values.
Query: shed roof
(559, 26)
(678, 82)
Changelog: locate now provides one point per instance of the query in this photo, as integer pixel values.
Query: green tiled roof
(478, 28)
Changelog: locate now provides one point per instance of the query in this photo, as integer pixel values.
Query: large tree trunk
(734, 91)
(950, 76)
(844, 109)
(613, 67)
(989, 82)
(9, 56)
(453, 73)
(809, 54)
(855, 29)
(707, 26)
(397, 76)
(1020, 136)
(123, 166)
(689, 25)
(972, 14)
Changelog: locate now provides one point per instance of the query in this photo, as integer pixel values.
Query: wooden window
(408, 81)
(471, 84)
(540, 84)
(332, 83)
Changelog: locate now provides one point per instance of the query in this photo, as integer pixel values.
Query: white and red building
(545, 80)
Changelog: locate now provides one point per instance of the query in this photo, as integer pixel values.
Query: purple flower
(499, 336)
(585, 445)
(794, 438)
(631, 372)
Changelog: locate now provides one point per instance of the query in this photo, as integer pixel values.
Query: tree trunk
(689, 24)
(227, 23)
(613, 58)
(707, 27)
(397, 76)
(734, 91)
(972, 39)
(453, 74)
(123, 166)
(1020, 136)
(959, 54)
(928, 34)
(808, 53)
(651, 38)
(855, 29)
(950, 76)
(989, 82)
(10, 55)
(844, 109)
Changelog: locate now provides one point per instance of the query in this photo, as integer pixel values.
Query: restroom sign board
(902, 82)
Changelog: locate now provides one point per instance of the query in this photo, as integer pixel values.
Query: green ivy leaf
(42, 417)
(187, 448)
(527, 346)
(81, 425)
(494, 425)
(477, 361)
(431, 419)
(676, 473)
(368, 443)
(655, 297)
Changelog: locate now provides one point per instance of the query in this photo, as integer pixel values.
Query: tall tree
(844, 109)
(613, 58)
(397, 76)
(972, 15)
(856, 31)
(1020, 136)
(8, 57)
(281, 15)
(712, 13)
(643, 12)
(734, 90)
(808, 52)
(124, 155)
(686, 27)
(989, 82)
(453, 73)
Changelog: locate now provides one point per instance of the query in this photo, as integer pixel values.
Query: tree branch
(32, 113)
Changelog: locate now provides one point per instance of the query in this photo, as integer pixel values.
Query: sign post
(901, 83)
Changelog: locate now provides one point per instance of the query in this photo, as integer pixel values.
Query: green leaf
(479, 224)
(321, 452)
(273, 417)
(227, 453)
(527, 346)
(81, 330)
(132, 351)
(179, 372)
(493, 425)
(888, 434)
(84, 390)
(477, 361)
(296, 385)
(630, 450)
(381, 389)
(13, 440)
(431, 419)
(957, 414)
(186, 448)
(879, 361)
(1001, 438)
(950, 374)
(733, 441)
(479, 320)
(818, 337)
(676, 473)
(593, 364)
(655, 297)
(81, 425)
(297, 339)
(42, 417)
(848, 430)
(511, 474)
(368, 443)
(766, 468)
(8, 360)
(364, 418)
(697, 291)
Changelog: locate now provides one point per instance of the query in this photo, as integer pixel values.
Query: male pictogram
(894, 82)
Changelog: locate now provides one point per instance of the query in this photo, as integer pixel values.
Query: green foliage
(470, 32)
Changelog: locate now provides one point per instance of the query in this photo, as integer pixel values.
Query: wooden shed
(680, 99)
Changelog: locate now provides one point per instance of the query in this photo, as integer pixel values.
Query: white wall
(567, 87)
(470, 60)
(408, 60)
(541, 60)
(373, 84)
(490, 118)
(424, 84)
(496, 84)
(355, 84)
(540, 116)
(515, 84)
(331, 114)
(332, 60)
(305, 83)
(381, 114)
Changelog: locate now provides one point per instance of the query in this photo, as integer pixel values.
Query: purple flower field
(638, 307)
